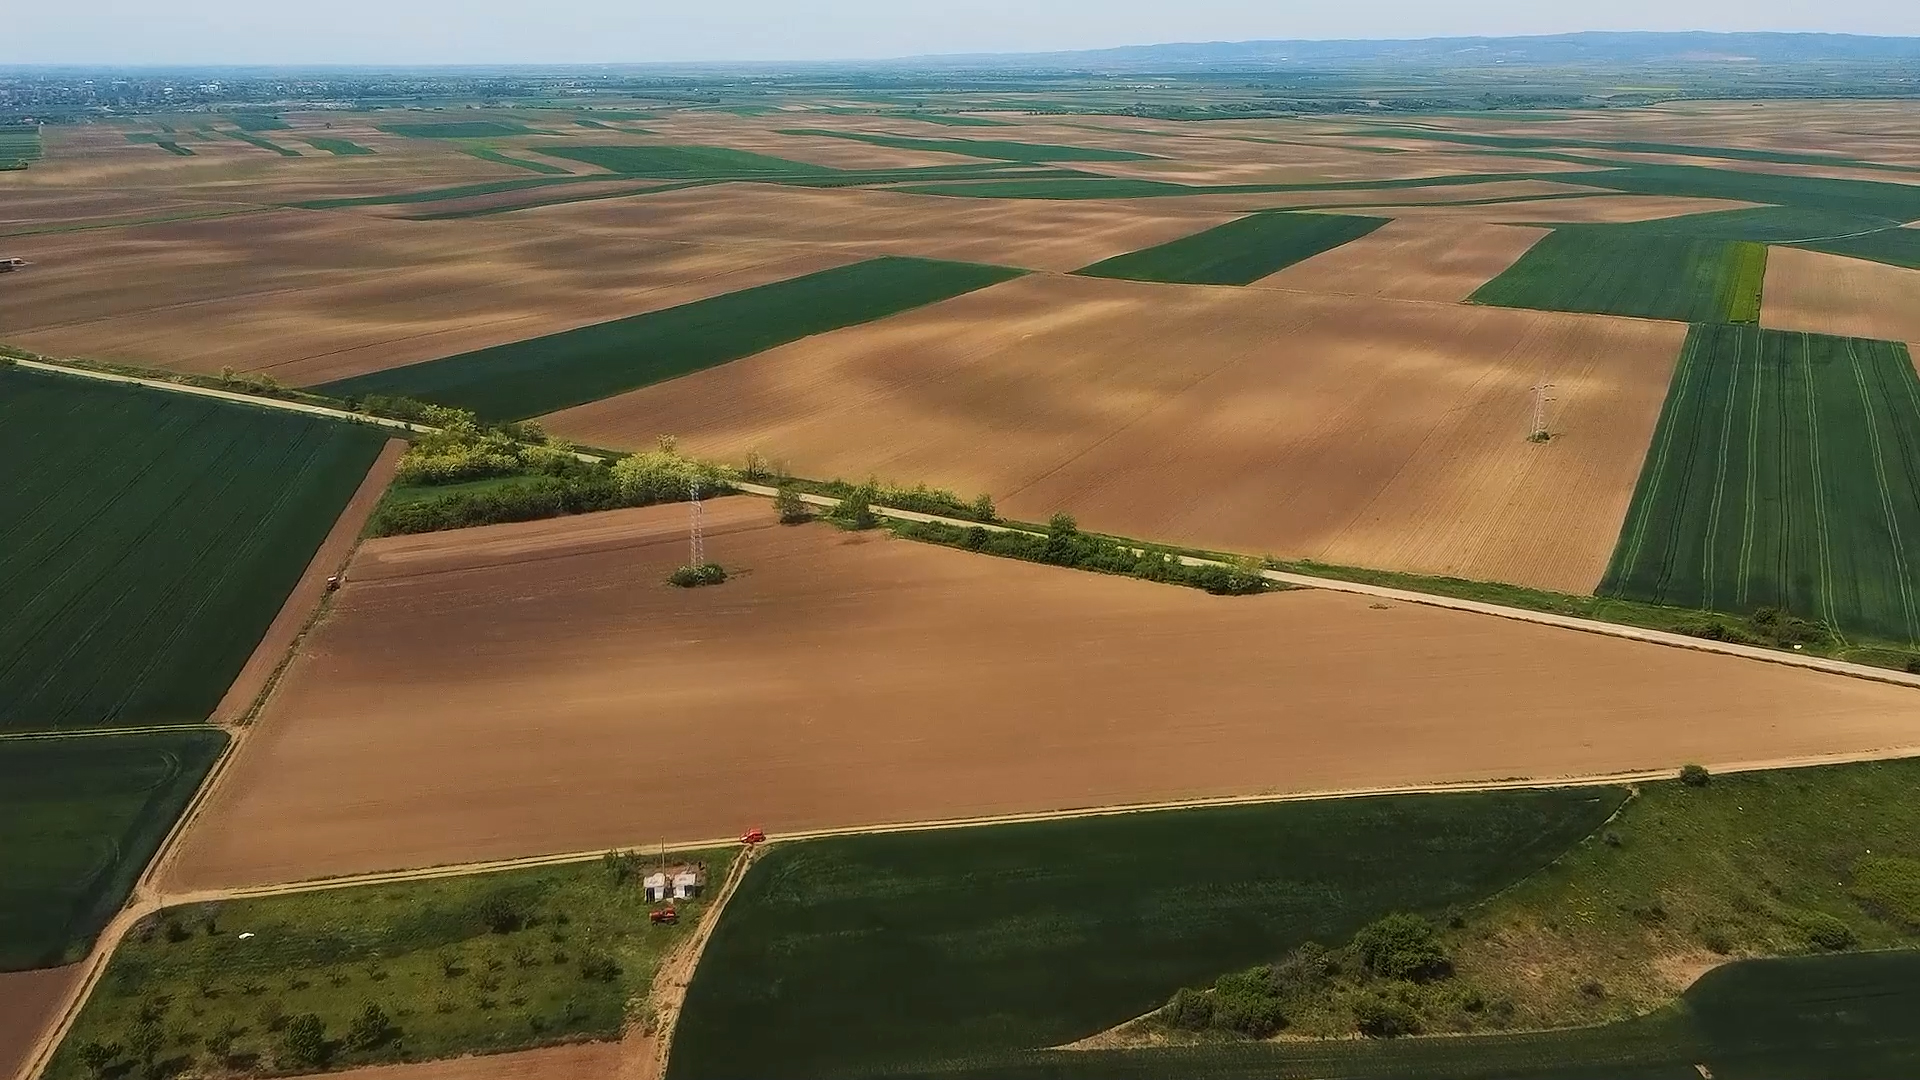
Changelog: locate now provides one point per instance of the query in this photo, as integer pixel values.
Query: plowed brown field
(1031, 233)
(533, 688)
(309, 296)
(28, 1000)
(1412, 260)
(1347, 429)
(1830, 294)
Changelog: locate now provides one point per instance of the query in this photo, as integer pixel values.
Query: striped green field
(79, 817)
(149, 540)
(980, 148)
(1785, 472)
(338, 147)
(458, 129)
(1615, 271)
(19, 146)
(541, 375)
(542, 167)
(685, 162)
(262, 143)
(1237, 253)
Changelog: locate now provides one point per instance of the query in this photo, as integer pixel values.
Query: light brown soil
(580, 1061)
(1031, 233)
(1595, 208)
(1414, 259)
(1346, 429)
(310, 589)
(28, 1001)
(1831, 294)
(308, 296)
(533, 688)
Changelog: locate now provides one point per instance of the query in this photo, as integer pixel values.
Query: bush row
(582, 487)
(1065, 545)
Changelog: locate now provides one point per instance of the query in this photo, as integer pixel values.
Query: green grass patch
(540, 375)
(981, 148)
(79, 818)
(476, 964)
(686, 162)
(1868, 198)
(909, 953)
(1624, 272)
(260, 122)
(498, 158)
(594, 124)
(262, 143)
(337, 147)
(1241, 251)
(458, 129)
(1893, 246)
(150, 540)
(1785, 473)
(1550, 142)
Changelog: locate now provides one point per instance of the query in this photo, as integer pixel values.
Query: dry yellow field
(1412, 259)
(522, 689)
(1345, 429)
(1830, 294)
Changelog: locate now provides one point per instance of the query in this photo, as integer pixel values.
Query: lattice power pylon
(1538, 430)
(696, 538)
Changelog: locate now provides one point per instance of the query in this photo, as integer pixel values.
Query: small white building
(687, 882)
(655, 885)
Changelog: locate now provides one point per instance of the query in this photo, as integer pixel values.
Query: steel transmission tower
(696, 540)
(1538, 431)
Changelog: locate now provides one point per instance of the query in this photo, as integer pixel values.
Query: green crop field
(685, 162)
(498, 158)
(1893, 246)
(19, 146)
(955, 121)
(259, 122)
(338, 147)
(981, 148)
(480, 963)
(458, 129)
(1237, 253)
(1785, 472)
(150, 539)
(540, 375)
(79, 818)
(459, 191)
(1873, 198)
(913, 952)
(1548, 142)
(1070, 185)
(262, 143)
(1612, 271)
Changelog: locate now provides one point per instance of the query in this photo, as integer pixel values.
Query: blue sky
(592, 31)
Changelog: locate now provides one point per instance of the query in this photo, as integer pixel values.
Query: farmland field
(983, 148)
(1828, 294)
(19, 146)
(342, 147)
(684, 162)
(1785, 473)
(156, 538)
(1019, 937)
(534, 670)
(1238, 252)
(1624, 271)
(78, 820)
(540, 375)
(457, 129)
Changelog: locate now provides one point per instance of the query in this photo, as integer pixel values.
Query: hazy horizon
(495, 32)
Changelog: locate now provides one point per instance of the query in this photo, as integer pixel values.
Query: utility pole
(1537, 432)
(696, 541)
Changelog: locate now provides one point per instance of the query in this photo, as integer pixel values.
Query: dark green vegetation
(906, 953)
(956, 121)
(1064, 544)
(164, 141)
(1546, 142)
(79, 818)
(1784, 473)
(338, 147)
(1241, 251)
(1821, 1016)
(260, 122)
(19, 146)
(498, 158)
(555, 197)
(466, 475)
(401, 972)
(1876, 198)
(529, 378)
(982, 148)
(1896, 247)
(445, 194)
(693, 577)
(685, 162)
(150, 539)
(458, 129)
(262, 143)
(1614, 271)
(1066, 184)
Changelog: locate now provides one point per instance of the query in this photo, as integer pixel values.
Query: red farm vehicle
(754, 836)
(666, 915)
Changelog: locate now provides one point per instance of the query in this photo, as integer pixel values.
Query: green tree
(303, 1044)
(144, 1043)
(790, 507)
(856, 509)
(1401, 946)
(220, 1043)
(97, 1057)
(983, 509)
(370, 1028)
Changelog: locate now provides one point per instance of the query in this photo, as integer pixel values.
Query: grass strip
(337, 147)
(980, 148)
(458, 129)
(489, 154)
(262, 143)
(686, 162)
(79, 818)
(1239, 252)
(545, 374)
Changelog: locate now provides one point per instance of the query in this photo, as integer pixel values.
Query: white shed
(686, 883)
(655, 885)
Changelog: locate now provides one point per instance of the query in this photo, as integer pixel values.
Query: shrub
(1304, 970)
(1889, 887)
(664, 476)
(1190, 1009)
(599, 967)
(370, 1028)
(1382, 1018)
(97, 1057)
(500, 915)
(1913, 666)
(1826, 932)
(692, 577)
(1695, 775)
(791, 509)
(1401, 946)
(983, 510)
(856, 509)
(303, 1044)
(1254, 1015)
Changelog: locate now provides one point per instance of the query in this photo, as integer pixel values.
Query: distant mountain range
(1552, 50)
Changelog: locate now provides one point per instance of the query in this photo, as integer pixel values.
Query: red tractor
(666, 915)
(754, 836)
